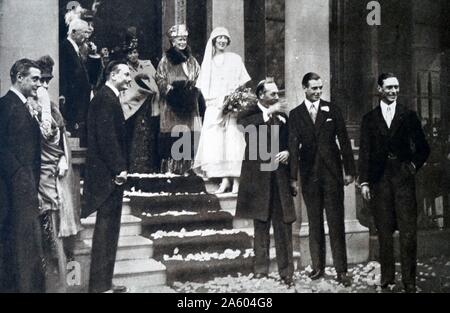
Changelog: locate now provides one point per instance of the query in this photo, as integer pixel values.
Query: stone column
(230, 14)
(307, 46)
(28, 29)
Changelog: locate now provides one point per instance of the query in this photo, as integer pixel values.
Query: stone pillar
(169, 19)
(307, 46)
(28, 29)
(230, 14)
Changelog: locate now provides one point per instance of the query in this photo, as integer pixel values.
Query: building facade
(348, 42)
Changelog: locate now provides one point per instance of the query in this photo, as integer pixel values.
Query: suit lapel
(320, 118)
(77, 56)
(306, 117)
(381, 123)
(398, 117)
(23, 107)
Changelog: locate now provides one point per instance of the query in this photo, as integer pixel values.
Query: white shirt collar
(19, 94)
(114, 89)
(384, 105)
(309, 103)
(74, 44)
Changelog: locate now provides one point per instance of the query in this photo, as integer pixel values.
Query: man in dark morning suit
(106, 172)
(392, 149)
(314, 127)
(20, 162)
(264, 194)
(74, 80)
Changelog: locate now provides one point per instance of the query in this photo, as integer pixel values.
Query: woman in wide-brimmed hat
(222, 145)
(176, 77)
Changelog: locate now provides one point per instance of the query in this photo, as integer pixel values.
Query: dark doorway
(196, 20)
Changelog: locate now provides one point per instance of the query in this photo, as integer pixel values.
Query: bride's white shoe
(224, 187)
(235, 189)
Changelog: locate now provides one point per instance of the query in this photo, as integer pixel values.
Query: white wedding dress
(221, 147)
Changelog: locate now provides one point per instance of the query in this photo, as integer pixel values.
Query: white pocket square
(329, 120)
(325, 108)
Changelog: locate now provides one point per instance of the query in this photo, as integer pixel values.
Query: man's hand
(282, 157)
(294, 188)
(63, 167)
(121, 178)
(348, 179)
(276, 108)
(365, 191)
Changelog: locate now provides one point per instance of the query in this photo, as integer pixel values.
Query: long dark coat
(20, 162)
(74, 85)
(107, 156)
(255, 186)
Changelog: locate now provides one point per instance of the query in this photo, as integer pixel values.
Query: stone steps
(178, 217)
(139, 273)
(208, 220)
(202, 271)
(196, 244)
(189, 184)
(130, 226)
(129, 248)
(134, 264)
(182, 202)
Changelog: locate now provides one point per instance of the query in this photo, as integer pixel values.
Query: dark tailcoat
(107, 158)
(75, 87)
(405, 139)
(321, 150)
(385, 159)
(264, 194)
(319, 139)
(255, 185)
(20, 161)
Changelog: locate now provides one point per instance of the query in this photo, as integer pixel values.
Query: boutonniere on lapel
(325, 108)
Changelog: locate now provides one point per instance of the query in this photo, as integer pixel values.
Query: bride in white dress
(221, 147)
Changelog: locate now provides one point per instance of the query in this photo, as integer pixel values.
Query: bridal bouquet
(237, 100)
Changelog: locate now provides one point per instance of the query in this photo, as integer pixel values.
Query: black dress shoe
(387, 285)
(410, 288)
(260, 275)
(344, 279)
(288, 281)
(316, 274)
(119, 289)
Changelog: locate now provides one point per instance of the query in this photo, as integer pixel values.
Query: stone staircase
(135, 266)
(188, 228)
(175, 230)
(194, 232)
